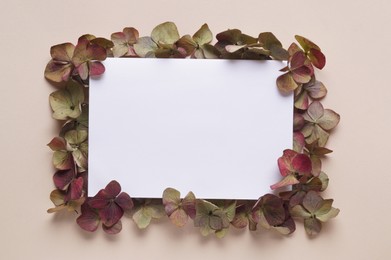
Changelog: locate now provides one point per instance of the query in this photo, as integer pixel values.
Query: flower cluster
(300, 167)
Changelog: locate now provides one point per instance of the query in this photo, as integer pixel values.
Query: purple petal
(76, 189)
(100, 200)
(124, 201)
(111, 214)
(89, 218)
(114, 229)
(113, 189)
(62, 179)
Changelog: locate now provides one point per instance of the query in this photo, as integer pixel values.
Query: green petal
(285, 83)
(58, 72)
(203, 35)
(299, 212)
(166, 33)
(271, 43)
(171, 195)
(145, 46)
(76, 137)
(62, 160)
(141, 219)
(325, 207)
(221, 233)
(324, 179)
(312, 226)
(230, 211)
(315, 111)
(66, 103)
(306, 44)
(332, 213)
(329, 120)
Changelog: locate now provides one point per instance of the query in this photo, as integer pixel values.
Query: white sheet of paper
(214, 127)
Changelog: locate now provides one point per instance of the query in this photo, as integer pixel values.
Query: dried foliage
(301, 167)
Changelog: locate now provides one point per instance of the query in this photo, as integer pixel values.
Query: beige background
(354, 35)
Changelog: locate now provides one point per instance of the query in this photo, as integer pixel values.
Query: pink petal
(96, 68)
(302, 164)
(82, 70)
(302, 74)
(284, 162)
(288, 180)
(317, 58)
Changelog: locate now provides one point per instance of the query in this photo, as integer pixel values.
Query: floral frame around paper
(301, 167)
